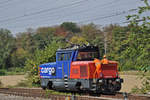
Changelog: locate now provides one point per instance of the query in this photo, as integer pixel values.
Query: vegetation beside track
(0, 84)
(12, 71)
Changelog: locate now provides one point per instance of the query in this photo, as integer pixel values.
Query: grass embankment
(136, 81)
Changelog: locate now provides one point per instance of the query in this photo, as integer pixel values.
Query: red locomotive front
(102, 75)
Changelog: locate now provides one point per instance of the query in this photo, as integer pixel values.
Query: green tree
(44, 36)
(130, 44)
(6, 47)
(90, 32)
(24, 47)
(140, 28)
(41, 56)
(119, 44)
(25, 40)
(78, 40)
(18, 57)
(70, 26)
(139, 33)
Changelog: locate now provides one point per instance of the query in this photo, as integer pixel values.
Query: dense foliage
(6, 47)
(130, 45)
(140, 28)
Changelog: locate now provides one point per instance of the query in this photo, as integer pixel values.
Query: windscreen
(87, 56)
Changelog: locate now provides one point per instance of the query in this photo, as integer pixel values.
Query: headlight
(117, 80)
(100, 81)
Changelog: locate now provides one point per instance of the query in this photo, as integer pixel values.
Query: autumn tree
(94, 36)
(79, 40)
(44, 36)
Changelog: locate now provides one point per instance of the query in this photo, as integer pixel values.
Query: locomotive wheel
(49, 85)
(118, 86)
(79, 86)
(111, 88)
(94, 94)
(44, 88)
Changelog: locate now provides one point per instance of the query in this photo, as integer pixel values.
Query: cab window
(61, 56)
(64, 56)
(87, 56)
(68, 56)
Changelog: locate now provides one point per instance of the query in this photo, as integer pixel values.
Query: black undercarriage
(83, 85)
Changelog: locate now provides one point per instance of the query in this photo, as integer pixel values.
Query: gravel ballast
(12, 97)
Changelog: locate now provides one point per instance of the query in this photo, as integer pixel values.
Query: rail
(36, 92)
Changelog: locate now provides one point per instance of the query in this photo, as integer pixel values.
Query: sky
(18, 15)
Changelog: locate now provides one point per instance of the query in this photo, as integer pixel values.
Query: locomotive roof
(80, 48)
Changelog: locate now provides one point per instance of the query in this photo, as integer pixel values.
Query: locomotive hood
(47, 70)
(48, 64)
(99, 69)
(81, 62)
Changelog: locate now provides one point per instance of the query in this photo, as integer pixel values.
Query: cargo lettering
(50, 71)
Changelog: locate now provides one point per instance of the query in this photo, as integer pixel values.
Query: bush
(40, 57)
(2, 72)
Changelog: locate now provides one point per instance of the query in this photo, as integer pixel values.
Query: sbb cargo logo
(50, 71)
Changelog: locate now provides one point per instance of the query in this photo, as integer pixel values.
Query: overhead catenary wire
(4, 2)
(97, 18)
(59, 17)
(101, 5)
(42, 11)
(32, 14)
(74, 12)
(11, 3)
(109, 16)
(21, 3)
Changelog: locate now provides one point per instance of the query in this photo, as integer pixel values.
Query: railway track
(26, 92)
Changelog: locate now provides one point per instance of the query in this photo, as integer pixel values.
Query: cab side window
(64, 56)
(68, 56)
(61, 56)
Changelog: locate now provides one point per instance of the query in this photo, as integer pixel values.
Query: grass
(134, 73)
(53, 92)
(12, 71)
(56, 92)
(24, 83)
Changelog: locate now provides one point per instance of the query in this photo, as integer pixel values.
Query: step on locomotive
(78, 68)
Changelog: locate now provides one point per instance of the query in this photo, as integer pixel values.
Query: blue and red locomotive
(78, 69)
